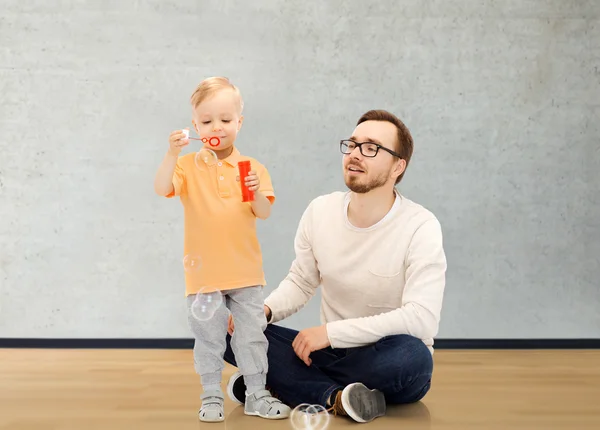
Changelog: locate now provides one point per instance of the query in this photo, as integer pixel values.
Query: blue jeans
(400, 366)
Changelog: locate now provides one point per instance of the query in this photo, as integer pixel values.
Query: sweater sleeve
(300, 285)
(419, 314)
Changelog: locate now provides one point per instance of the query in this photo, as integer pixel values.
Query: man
(379, 260)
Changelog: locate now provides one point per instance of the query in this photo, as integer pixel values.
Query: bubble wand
(212, 141)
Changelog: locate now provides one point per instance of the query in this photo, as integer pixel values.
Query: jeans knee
(425, 385)
(409, 348)
(412, 392)
(407, 359)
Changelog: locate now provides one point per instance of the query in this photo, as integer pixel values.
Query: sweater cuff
(334, 330)
(273, 318)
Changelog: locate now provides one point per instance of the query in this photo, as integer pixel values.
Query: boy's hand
(177, 140)
(252, 181)
(261, 205)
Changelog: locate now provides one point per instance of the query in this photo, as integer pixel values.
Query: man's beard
(357, 186)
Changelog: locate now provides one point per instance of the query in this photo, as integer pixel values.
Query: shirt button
(221, 178)
(220, 164)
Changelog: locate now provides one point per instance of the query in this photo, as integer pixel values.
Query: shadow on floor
(415, 416)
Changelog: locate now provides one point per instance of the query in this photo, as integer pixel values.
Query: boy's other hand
(177, 140)
(252, 181)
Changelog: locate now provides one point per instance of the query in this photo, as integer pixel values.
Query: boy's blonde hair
(210, 86)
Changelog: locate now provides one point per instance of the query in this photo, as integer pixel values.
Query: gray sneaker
(263, 405)
(361, 404)
(212, 407)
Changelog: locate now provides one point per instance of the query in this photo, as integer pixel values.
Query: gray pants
(248, 342)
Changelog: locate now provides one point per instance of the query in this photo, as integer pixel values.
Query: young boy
(220, 231)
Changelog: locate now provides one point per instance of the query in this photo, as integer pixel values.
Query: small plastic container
(244, 167)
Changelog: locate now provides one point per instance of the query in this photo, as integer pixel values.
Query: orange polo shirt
(219, 229)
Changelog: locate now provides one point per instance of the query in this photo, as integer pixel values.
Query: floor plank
(157, 389)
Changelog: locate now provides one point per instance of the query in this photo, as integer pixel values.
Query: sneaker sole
(363, 405)
(234, 378)
(208, 420)
(268, 417)
(218, 420)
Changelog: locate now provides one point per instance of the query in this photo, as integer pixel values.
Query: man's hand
(231, 326)
(309, 340)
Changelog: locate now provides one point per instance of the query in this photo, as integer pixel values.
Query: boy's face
(219, 115)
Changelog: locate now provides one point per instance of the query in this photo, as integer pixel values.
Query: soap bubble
(192, 263)
(206, 304)
(205, 157)
(309, 417)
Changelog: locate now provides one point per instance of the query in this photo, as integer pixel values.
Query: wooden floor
(147, 389)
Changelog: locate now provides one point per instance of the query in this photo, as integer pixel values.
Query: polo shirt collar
(233, 158)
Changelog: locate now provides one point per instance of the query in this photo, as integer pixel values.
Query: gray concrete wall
(503, 100)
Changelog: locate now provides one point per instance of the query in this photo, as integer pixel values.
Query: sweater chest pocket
(386, 262)
(381, 272)
(386, 266)
(386, 285)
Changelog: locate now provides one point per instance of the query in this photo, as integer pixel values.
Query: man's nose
(355, 153)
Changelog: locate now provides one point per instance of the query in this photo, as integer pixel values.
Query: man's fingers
(298, 346)
(305, 355)
(230, 325)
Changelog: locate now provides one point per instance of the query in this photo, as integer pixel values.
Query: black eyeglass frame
(359, 145)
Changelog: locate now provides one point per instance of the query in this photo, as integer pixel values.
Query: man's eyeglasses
(367, 149)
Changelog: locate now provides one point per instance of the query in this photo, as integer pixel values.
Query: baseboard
(100, 343)
(189, 343)
(517, 344)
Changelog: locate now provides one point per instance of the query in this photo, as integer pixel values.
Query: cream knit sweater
(383, 280)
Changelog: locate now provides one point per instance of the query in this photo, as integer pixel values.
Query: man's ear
(399, 168)
(240, 121)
